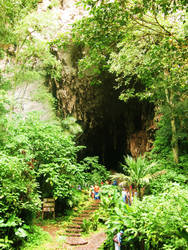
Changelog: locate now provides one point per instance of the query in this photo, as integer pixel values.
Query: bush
(157, 222)
(93, 171)
(19, 199)
(36, 236)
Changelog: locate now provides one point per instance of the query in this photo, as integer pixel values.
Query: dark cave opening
(115, 122)
(112, 128)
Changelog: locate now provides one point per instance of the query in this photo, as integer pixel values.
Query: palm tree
(138, 173)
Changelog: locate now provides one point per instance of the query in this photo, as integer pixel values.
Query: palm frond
(123, 179)
(148, 177)
(158, 173)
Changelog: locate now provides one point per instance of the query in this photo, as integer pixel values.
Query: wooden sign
(48, 206)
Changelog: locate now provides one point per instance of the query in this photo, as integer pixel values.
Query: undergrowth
(36, 237)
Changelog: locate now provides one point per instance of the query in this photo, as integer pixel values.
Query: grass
(36, 237)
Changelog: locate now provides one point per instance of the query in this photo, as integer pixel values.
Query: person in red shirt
(96, 190)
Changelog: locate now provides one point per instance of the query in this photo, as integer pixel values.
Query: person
(128, 198)
(92, 193)
(96, 190)
(115, 183)
(124, 194)
(135, 193)
(117, 240)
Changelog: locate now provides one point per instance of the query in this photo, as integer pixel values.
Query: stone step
(84, 215)
(75, 241)
(89, 211)
(94, 205)
(92, 209)
(74, 226)
(72, 234)
(73, 230)
(77, 222)
(78, 219)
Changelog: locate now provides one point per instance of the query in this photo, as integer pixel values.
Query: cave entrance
(114, 122)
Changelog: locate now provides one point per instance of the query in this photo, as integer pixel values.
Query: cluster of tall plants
(25, 48)
(11, 12)
(36, 161)
(157, 222)
(19, 199)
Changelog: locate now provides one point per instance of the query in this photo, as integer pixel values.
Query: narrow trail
(73, 231)
(74, 239)
(94, 242)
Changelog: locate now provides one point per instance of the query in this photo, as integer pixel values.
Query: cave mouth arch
(114, 124)
(111, 127)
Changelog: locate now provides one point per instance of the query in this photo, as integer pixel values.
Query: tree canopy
(144, 43)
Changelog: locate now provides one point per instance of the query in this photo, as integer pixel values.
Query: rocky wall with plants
(127, 126)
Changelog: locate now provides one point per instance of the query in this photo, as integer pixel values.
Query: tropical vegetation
(137, 42)
(140, 44)
(38, 160)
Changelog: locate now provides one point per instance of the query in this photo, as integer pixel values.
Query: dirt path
(94, 242)
(69, 237)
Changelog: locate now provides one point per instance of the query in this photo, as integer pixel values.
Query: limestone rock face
(111, 128)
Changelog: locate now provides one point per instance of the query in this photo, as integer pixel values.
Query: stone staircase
(73, 231)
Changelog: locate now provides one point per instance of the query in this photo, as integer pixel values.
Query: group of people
(127, 195)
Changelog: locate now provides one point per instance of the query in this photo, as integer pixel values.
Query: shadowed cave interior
(115, 122)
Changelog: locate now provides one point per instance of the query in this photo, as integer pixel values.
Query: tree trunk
(174, 140)
(175, 148)
(139, 192)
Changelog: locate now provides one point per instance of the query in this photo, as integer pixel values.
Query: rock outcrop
(111, 128)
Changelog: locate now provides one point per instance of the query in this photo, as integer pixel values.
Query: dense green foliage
(138, 173)
(157, 222)
(38, 160)
(26, 47)
(159, 219)
(144, 43)
(19, 199)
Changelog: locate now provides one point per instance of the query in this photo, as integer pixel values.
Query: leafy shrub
(45, 148)
(157, 222)
(35, 237)
(36, 157)
(93, 171)
(91, 224)
(19, 199)
(86, 225)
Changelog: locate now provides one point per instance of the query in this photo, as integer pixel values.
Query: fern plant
(138, 173)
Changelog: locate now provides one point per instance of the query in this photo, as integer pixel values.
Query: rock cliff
(111, 128)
